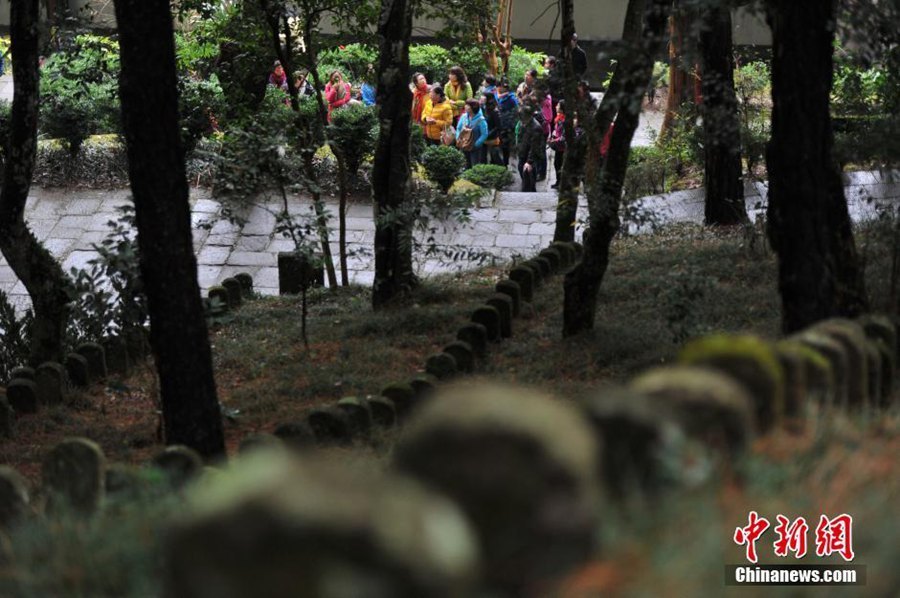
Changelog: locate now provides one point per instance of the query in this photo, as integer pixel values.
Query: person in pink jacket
(337, 92)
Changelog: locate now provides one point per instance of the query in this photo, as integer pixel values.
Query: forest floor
(660, 289)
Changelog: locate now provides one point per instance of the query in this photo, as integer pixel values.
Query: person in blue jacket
(509, 117)
(367, 92)
(472, 119)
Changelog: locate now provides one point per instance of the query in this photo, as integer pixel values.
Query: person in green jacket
(458, 90)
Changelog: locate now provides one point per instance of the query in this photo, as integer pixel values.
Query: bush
(101, 163)
(14, 338)
(520, 61)
(199, 102)
(443, 164)
(416, 143)
(352, 60)
(469, 57)
(353, 131)
(489, 176)
(648, 170)
(430, 60)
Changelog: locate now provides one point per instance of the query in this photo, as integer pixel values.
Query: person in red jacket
(337, 92)
(421, 92)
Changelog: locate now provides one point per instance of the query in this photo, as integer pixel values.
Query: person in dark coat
(531, 144)
(579, 58)
(491, 147)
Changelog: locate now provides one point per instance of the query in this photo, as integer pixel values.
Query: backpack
(465, 141)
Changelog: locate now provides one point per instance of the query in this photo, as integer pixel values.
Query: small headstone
(404, 398)
(462, 354)
(888, 370)
(489, 317)
(360, 416)
(424, 386)
(879, 326)
(708, 404)
(545, 266)
(578, 248)
(794, 367)
(117, 359)
(384, 413)
(441, 365)
(836, 356)
(536, 272)
(331, 425)
(297, 271)
(77, 369)
(749, 360)
(260, 442)
(7, 418)
(218, 296)
(246, 284)
(22, 396)
(522, 466)
(22, 372)
(96, 359)
(512, 289)
(553, 257)
(524, 277)
(852, 337)
(180, 464)
(296, 435)
(123, 482)
(276, 527)
(566, 252)
(74, 476)
(52, 384)
(14, 498)
(235, 292)
(503, 305)
(475, 335)
(873, 367)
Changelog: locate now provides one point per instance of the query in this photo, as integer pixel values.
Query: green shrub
(416, 143)
(430, 60)
(521, 61)
(443, 164)
(199, 102)
(352, 60)
(489, 176)
(353, 131)
(14, 338)
(101, 163)
(647, 174)
(469, 57)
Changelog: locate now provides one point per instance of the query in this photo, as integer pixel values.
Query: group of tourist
(495, 125)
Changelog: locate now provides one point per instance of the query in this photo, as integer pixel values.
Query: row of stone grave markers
(488, 486)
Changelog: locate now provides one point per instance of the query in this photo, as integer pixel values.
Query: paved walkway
(506, 225)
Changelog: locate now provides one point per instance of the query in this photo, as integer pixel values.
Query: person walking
(458, 90)
(545, 101)
(531, 144)
(421, 96)
(491, 112)
(558, 140)
(509, 116)
(471, 133)
(437, 115)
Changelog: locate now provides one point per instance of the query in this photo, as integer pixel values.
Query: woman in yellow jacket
(458, 90)
(437, 115)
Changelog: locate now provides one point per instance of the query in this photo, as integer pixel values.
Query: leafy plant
(352, 60)
(521, 61)
(353, 130)
(14, 337)
(489, 176)
(416, 143)
(200, 100)
(430, 60)
(443, 164)
(681, 298)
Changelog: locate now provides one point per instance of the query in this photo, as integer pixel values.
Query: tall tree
(178, 333)
(819, 272)
(391, 170)
(32, 263)
(682, 62)
(645, 22)
(573, 160)
(721, 124)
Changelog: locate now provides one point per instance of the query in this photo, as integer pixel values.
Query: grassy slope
(680, 543)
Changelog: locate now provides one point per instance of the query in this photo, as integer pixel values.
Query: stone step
(519, 200)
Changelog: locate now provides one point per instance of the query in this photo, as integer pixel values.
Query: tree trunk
(178, 333)
(573, 160)
(30, 261)
(721, 126)
(645, 23)
(391, 171)
(344, 191)
(819, 273)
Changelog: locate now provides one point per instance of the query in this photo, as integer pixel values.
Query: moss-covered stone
(317, 530)
(888, 367)
(235, 292)
(77, 369)
(475, 335)
(536, 271)
(633, 438)
(566, 252)
(404, 398)
(52, 383)
(751, 362)
(218, 295)
(817, 376)
(489, 317)
(296, 435)
(853, 338)
(424, 387)
(553, 258)
(246, 284)
(510, 458)
(96, 359)
(511, 288)
(524, 277)
(22, 372)
(710, 405)
(14, 498)
(544, 265)
(442, 366)
(359, 413)
(463, 355)
(384, 413)
(503, 305)
(73, 477)
(331, 425)
(261, 442)
(180, 464)
(873, 369)
(881, 326)
(22, 396)
(836, 355)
